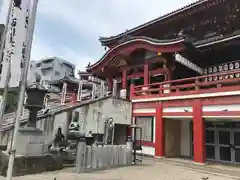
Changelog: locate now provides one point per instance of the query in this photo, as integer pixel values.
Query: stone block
(31, 143)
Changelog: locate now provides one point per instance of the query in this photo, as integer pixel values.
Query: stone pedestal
(31, 143)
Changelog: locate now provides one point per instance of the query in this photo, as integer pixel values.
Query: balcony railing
(229, 81)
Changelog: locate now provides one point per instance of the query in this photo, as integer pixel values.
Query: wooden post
(146, 76)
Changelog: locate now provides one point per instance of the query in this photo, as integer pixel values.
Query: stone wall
(93, 115)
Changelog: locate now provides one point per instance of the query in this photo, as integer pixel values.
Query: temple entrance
(178, 138)
(223, 142)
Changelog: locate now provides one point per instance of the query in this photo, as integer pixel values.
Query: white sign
(15, 46)
(179, 58)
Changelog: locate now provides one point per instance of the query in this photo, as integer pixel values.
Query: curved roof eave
(141, 39)
(194, 4)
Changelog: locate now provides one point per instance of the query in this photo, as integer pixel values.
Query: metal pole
(23, 83)
(8, 76)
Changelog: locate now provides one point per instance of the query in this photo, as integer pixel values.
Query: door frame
(217, 145)
(235, 146)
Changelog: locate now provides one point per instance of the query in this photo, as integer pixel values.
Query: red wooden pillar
(124, 79)
(110, 83)
(198, 133)
(169, 74)
(146, 76)
(159, 132)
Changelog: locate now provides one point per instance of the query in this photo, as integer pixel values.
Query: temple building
(181, 72)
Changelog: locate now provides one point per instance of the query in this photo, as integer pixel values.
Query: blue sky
(70, 29)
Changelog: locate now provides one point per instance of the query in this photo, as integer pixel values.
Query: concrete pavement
(152, 169)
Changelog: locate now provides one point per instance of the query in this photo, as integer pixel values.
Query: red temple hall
(181, 72)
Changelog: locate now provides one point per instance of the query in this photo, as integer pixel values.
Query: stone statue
(59, 138)
(109, 131)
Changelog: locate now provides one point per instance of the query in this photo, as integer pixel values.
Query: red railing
(228, 81)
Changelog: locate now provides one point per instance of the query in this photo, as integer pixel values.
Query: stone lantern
(31, 140)
(34, 103)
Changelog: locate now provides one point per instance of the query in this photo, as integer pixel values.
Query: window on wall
(146, 123)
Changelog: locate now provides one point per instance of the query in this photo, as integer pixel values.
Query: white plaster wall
(234, 107)
(147, 150)
(145, 110)
(178, 109)
(185, 138)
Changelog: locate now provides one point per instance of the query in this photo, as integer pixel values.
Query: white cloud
(41, 50)
(107, 17)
